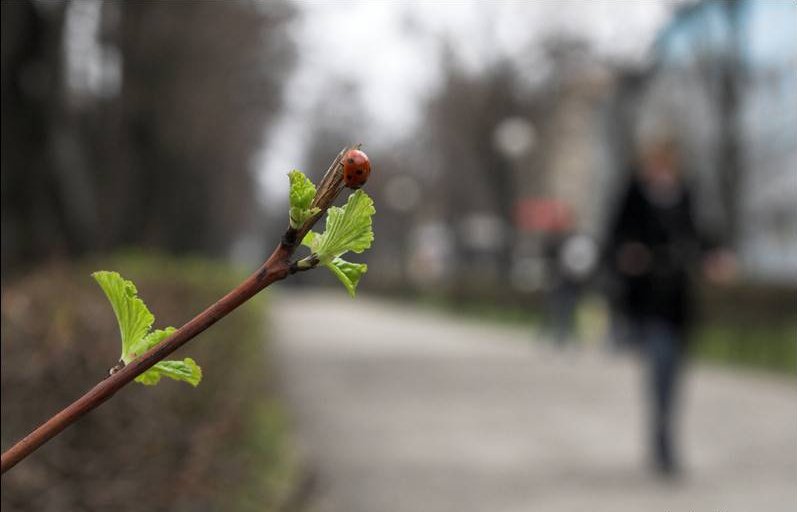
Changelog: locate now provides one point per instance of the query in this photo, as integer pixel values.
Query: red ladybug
(356, 168)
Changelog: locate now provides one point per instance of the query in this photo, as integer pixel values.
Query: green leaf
(309, 239)
(347, 229)
(135, 321)
(348, 273)
(132, 314)
(301, 197)
(147, 342)
(186, 370)
(302, 190)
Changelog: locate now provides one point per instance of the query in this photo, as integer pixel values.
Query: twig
(277, 267)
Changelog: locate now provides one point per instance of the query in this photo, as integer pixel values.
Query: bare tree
(461, 121)
(731, 77)
(165, 160)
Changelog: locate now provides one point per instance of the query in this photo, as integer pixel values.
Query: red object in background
(356, 168)
(543, 215)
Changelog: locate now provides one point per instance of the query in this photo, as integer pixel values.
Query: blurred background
(154, 138)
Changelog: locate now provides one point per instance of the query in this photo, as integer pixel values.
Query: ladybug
(356, 168)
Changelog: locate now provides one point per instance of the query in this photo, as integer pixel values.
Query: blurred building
(562, 184)
(575, 159)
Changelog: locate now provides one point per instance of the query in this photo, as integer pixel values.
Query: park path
(402, 409)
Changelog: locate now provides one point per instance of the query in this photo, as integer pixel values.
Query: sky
(391, 51)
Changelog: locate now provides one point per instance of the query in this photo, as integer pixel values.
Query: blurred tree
(33, 217)
(338, 121)
(716, 55)
(202, 81)
(732, 75)
(475, 177)
(163, 159)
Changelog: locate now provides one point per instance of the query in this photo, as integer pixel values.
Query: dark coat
(668, 232)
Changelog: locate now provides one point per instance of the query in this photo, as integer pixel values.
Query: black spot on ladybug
(359, 171)
(351, 160)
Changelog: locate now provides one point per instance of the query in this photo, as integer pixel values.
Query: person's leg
(663, 351)
(566, 299)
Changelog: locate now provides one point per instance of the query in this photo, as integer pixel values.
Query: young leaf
(348, 273)
(301, 195)
(347, 229)
(147, 342)
(131, 313)
(309, 240)
(135, 321)
(186, 370)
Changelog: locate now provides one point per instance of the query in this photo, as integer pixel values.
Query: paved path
(400, 409)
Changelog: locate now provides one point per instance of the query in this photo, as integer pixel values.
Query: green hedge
(748, 325)
(222, 446)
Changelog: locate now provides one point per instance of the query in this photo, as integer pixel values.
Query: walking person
(653, 250)
(572, 257)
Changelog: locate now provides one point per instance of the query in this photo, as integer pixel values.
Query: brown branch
(277, 267)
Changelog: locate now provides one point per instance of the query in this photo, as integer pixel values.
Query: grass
(770, 347)
(482, 311)
(725, 341)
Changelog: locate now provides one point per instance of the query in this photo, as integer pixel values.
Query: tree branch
(277, 267)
